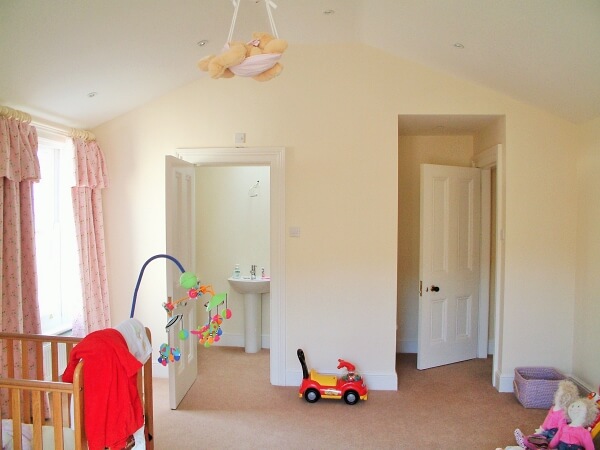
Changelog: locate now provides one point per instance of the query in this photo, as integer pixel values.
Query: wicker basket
(535, 386)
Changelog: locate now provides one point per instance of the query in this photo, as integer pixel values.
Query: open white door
(449, 265)
(180, 227)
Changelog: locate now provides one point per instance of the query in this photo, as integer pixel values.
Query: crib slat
(25, 375)
(24, 360)
(10, 368)
(15, 400)
(39, 367)
(10, 357)
(37, 419)
(39, 357)
(148, 401)
(78, 381)
(58, 419)
(54, 353)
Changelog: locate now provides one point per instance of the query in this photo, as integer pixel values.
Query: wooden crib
(45, 411)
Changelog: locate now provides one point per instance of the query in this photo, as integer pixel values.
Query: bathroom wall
(232, 228)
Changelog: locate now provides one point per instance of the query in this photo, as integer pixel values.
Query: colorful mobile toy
(210, 332)
(168, 354)
(351, 387)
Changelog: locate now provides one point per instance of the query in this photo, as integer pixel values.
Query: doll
(575, 436)
(566, 394)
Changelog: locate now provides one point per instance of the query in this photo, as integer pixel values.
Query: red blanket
(112, 405)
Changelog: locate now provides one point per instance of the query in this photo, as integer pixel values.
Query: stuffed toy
(218, 66)
(576, 435)
(268, 44)
(257, 58)
(566, 393)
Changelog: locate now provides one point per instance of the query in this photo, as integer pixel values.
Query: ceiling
(55, 54)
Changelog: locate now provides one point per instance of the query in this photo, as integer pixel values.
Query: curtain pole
(11, 113)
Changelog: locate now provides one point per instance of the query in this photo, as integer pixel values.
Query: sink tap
(253, 272)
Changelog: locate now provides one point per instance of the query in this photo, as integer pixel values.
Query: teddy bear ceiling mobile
(257, 58)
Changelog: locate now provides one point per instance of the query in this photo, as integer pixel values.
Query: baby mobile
(207, 334)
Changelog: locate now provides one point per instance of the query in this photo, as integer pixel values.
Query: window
(59, 286)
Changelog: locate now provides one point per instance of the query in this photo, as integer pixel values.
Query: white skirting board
(504, 382)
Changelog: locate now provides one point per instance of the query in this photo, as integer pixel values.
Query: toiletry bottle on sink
(236, 272)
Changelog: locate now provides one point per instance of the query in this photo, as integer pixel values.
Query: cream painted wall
(491, 135)
(412, 152)
(338, 122)
(586, 363)
(232, 228)
(540, 240)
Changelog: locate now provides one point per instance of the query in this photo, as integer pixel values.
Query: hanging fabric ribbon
(257, 58)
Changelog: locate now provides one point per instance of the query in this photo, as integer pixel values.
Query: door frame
(493, 157)
(274, 157)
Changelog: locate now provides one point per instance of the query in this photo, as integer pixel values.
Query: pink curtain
(19, 169)
(91, 178)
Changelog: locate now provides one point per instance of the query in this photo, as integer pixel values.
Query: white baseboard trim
(504, 382)
(582, 385)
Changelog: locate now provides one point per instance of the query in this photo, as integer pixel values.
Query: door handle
(434, 288)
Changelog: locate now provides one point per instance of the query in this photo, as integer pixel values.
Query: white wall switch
(240, 138)
(294, 231)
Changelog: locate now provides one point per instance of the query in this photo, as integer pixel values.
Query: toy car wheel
(351, 397)
(312, 395)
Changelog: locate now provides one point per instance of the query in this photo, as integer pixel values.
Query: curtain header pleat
(18, 150)
(91, 168)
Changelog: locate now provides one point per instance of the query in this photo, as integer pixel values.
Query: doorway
(274, 159)
(446, 140)
(233, 230)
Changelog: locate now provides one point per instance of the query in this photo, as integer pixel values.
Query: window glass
(59, 287)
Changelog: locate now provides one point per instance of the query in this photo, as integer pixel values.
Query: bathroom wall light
(253, 192)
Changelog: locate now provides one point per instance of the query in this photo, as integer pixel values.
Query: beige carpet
(232, 405)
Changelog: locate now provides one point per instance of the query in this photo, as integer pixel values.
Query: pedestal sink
(252, 291)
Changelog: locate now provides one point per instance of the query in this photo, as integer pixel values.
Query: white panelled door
(180, 227)
(449, 265)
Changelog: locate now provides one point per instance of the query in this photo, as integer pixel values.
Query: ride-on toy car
(351, 387)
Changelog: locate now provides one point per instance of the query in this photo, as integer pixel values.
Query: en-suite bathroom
(233, 228)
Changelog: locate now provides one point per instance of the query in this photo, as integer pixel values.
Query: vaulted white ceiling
(55, 53)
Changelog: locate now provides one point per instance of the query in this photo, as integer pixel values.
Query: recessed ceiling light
(202, 43)
(92, 94)
(328, 12)
(459, 45)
